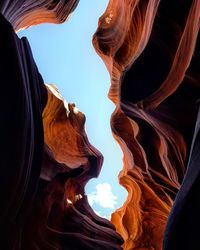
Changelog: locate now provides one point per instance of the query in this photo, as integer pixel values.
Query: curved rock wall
(46, 156)
(151, 51)
(25, 13)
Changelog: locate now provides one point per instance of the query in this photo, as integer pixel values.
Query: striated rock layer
(151, 50)
(24, 13)
(46, 157)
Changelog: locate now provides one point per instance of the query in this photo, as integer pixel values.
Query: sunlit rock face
(24, 13)
(151, 50)
(75, 162)
(46, 157)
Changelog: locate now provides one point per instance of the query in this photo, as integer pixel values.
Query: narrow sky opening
(65, 56)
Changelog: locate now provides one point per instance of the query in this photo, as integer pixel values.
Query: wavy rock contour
(151, 51)
(42, 184)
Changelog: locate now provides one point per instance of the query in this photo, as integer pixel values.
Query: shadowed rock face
(46, 156)
(23, 97)
(151, 50)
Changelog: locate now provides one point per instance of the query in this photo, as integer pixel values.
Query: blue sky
(65, 57)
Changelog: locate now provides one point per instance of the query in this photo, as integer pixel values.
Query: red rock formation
(47, 156)
(148, 48)
(25, 13)
(62, 217)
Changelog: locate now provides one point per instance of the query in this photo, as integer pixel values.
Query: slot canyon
(151, 51)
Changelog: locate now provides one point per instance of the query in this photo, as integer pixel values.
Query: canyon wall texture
(25, 13)
(151, 50)
(46, 158)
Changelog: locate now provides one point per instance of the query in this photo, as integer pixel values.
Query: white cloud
(103, 196)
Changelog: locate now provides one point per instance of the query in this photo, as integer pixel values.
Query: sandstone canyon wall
(151, 50)
(46, 157)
